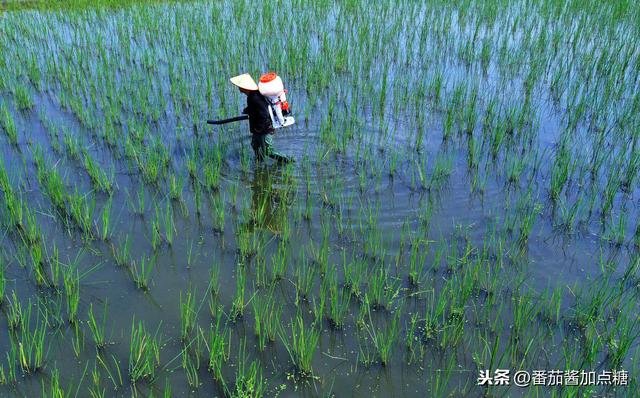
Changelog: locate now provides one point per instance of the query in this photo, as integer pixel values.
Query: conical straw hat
(244, 81)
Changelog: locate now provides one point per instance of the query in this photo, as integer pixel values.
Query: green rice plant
(99, 178)
(631, 171)
(339, 299)
(71, 280)
(551, 305)
(219, 347)
(140, 195)
(81, 211)
(114, 375)
(568, 214)
(249, 381)
(105, 232)
(218, 212)
(262, 278)
(434, 316)
(30, 228)
(197, 198)
(168, 223)
(71, 144)
(417, 260)
(382, 289)
(30, 342)
(121, 253)
(188, 314)
(24, 101)
(156, 238)
(439, 379)
(415, 349)
(144, 353)
(561, 170)
(191, 362)
(238, 303)
(98, 327)
(214, 279)
(528, 210)
(524, 308)
(441, 171)
(616, 231)
(142, 272)
(267, 313)
(355, 273)
(37, 263)
(12, 360)
(302, 344)
(211, 172)
(176, 185)
(96, 390)
(622, 335)
(8, 124)
(15, 316)
(279, 263)
(55, 388)
(610, 191)
(384, 338)
(3, 281)
(304, 277)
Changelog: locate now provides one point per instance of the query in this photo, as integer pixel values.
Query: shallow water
(148, 61)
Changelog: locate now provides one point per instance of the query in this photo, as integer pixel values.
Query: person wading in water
(260, 120)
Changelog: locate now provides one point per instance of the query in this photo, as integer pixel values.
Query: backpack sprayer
(271, 87)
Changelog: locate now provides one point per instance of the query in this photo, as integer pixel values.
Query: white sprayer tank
(270, 85)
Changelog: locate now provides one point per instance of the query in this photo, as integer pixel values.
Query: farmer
(260, 124)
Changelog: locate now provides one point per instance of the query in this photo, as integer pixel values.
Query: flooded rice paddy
(465, 197)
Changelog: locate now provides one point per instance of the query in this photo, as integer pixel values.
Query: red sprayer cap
(267, 77)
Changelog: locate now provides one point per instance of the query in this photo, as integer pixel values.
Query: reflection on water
(270, 196)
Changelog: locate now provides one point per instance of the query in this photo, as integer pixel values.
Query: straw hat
(244, 81)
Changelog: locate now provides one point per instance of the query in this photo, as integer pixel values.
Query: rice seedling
(168, 223)
(249, 381)
(144, 352)
(8, 125)
(30, 342)
(279, 263)
(218, 212)
(101, 181)
(302, 344)
(3, 281)
(188, 314)
(24, 101)
(238, 304)
(71, 281)
(96, 390)
(304, 279)
(15, 315)
(142, 272)
(338, 298)
(382, 289)
(219, 344)
(121, 253)
(355, 273)
(267, 314)
(383, 339)
(98, 327)
(55, 389)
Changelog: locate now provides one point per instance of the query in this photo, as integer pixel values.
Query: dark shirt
(258, 111)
